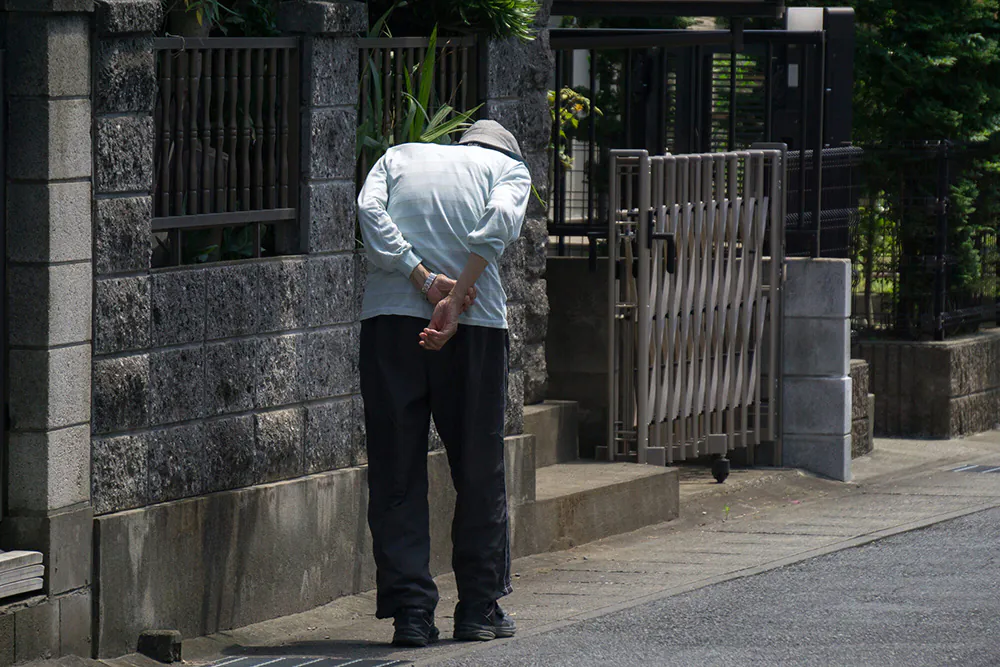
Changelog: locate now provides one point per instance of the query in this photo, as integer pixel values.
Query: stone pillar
(49, 308)
(862, 412)
(816, 405)
(329, 117)
(124, 96)
(516, 88)
(328, 193)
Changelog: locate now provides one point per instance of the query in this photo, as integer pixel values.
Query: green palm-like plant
(504, 18)
(414, 124)
(498, 19)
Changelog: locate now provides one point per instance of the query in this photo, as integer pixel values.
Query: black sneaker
(482, 622)
(414, 627)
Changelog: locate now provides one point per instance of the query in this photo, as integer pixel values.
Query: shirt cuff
(484, 250)
(408, 262)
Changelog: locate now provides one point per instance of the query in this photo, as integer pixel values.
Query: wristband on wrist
(427, 283)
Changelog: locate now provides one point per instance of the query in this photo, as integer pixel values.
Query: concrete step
(555, 427)
(580, 502)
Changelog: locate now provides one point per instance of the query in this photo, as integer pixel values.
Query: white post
(816, 408)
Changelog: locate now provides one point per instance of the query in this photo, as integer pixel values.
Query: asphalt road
(926, 598)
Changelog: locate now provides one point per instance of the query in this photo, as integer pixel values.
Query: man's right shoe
(414, 628)
(480, 622)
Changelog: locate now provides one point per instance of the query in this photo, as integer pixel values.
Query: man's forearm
(418, 276)
(474, 268)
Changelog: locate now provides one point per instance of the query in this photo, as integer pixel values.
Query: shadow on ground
(337, 648)
(351, 649)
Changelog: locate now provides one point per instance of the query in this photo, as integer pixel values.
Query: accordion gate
(696, 250)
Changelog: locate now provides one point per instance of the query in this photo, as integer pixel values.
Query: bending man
(435, 221)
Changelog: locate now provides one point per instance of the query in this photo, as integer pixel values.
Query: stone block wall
(226, 375)
(517, 85)
(862, 402)
(935, 389)
(132, 387)
(217, 388)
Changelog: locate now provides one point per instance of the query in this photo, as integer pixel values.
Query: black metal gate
(700, 91)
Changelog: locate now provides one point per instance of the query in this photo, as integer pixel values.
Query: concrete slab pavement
(925, 598)
(758, 521)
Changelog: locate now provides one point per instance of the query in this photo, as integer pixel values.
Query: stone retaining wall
(935, 389)
(265, 551)
(862, 419)
(221, 376)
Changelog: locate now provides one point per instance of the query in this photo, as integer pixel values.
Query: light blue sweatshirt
(433, 204)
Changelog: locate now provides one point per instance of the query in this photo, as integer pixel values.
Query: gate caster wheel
(720, 469)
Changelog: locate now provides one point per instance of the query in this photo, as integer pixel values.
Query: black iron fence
(227, 146)
(924, 247)
(693, 91)
(836, 208)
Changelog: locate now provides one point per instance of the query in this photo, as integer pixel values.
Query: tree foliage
(928, 71)
(496, 18)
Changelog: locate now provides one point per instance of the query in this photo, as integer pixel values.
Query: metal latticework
(695, 277)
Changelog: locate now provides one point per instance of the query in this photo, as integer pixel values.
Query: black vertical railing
(926, 264)
(940, 256)
(226, 136)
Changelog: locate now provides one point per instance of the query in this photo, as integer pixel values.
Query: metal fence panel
(227, 139)
(924, 245)
(695, 276)
(691, 91)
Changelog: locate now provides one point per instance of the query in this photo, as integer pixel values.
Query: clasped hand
(444, 321)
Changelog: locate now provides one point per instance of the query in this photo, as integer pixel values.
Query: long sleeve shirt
(433, 204)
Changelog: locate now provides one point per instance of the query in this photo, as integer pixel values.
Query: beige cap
(492, 134)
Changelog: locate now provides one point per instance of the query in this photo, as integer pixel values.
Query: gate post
(642, 310)
(816, 408)
(49, 291)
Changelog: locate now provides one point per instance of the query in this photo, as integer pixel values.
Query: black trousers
(464, 386)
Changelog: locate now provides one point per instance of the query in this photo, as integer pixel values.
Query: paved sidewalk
(924, 598)
(758, 521)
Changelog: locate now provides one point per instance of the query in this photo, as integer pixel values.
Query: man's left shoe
(480, 622)
(414, 628)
